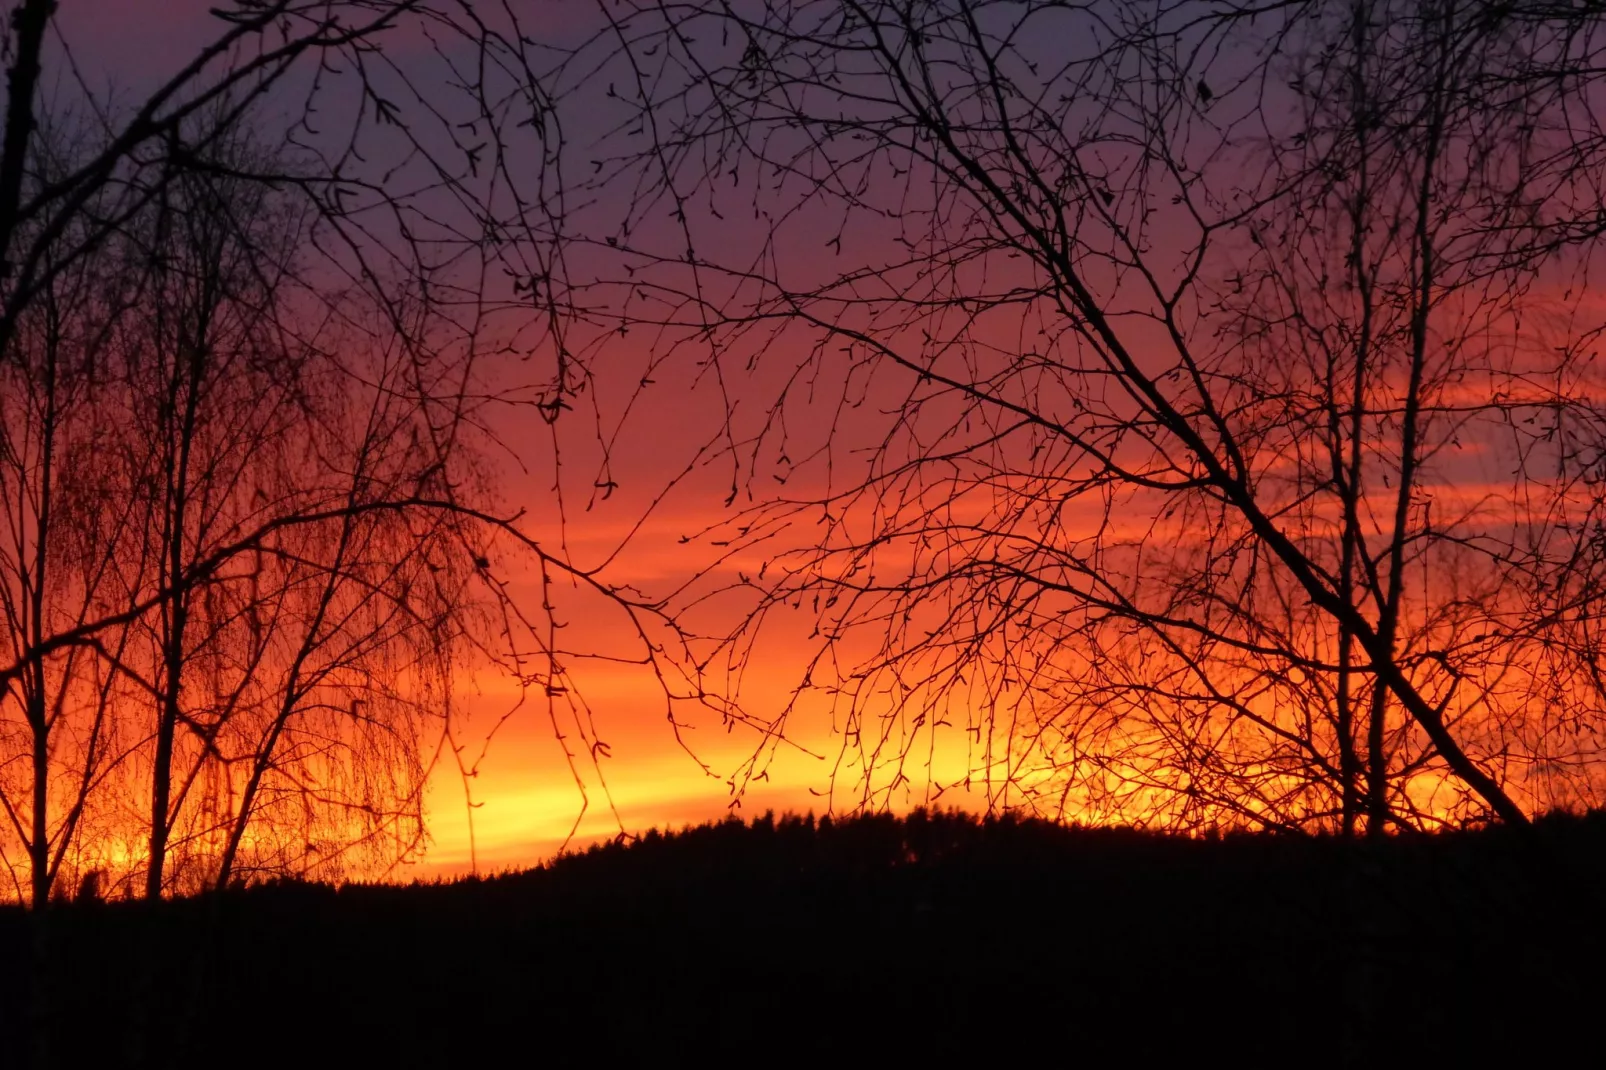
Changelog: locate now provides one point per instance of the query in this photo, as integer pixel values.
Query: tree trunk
(30, 20)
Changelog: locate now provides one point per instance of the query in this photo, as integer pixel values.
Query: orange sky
(526, 802)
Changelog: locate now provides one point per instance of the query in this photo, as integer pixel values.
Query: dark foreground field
(932, 941)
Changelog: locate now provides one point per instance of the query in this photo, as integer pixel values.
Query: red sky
(526, 801)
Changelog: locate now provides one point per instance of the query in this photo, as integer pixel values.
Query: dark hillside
(932, 938)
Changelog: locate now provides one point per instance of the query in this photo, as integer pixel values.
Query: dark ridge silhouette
(791, 941)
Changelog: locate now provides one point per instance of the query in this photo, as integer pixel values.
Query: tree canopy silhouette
(928, 936)
(258, 317)
(1188, 413)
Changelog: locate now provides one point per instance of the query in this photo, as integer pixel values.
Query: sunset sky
(1131, 472)
(668, 443)
(526, 801)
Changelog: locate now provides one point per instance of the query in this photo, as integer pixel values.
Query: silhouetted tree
(281, 679)
(1192, 406)
(254, 322)
(63, 489)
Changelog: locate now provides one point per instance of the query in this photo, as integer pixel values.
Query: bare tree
(64, 508)
(1194, 404)
(248, 385)
(244, 419)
